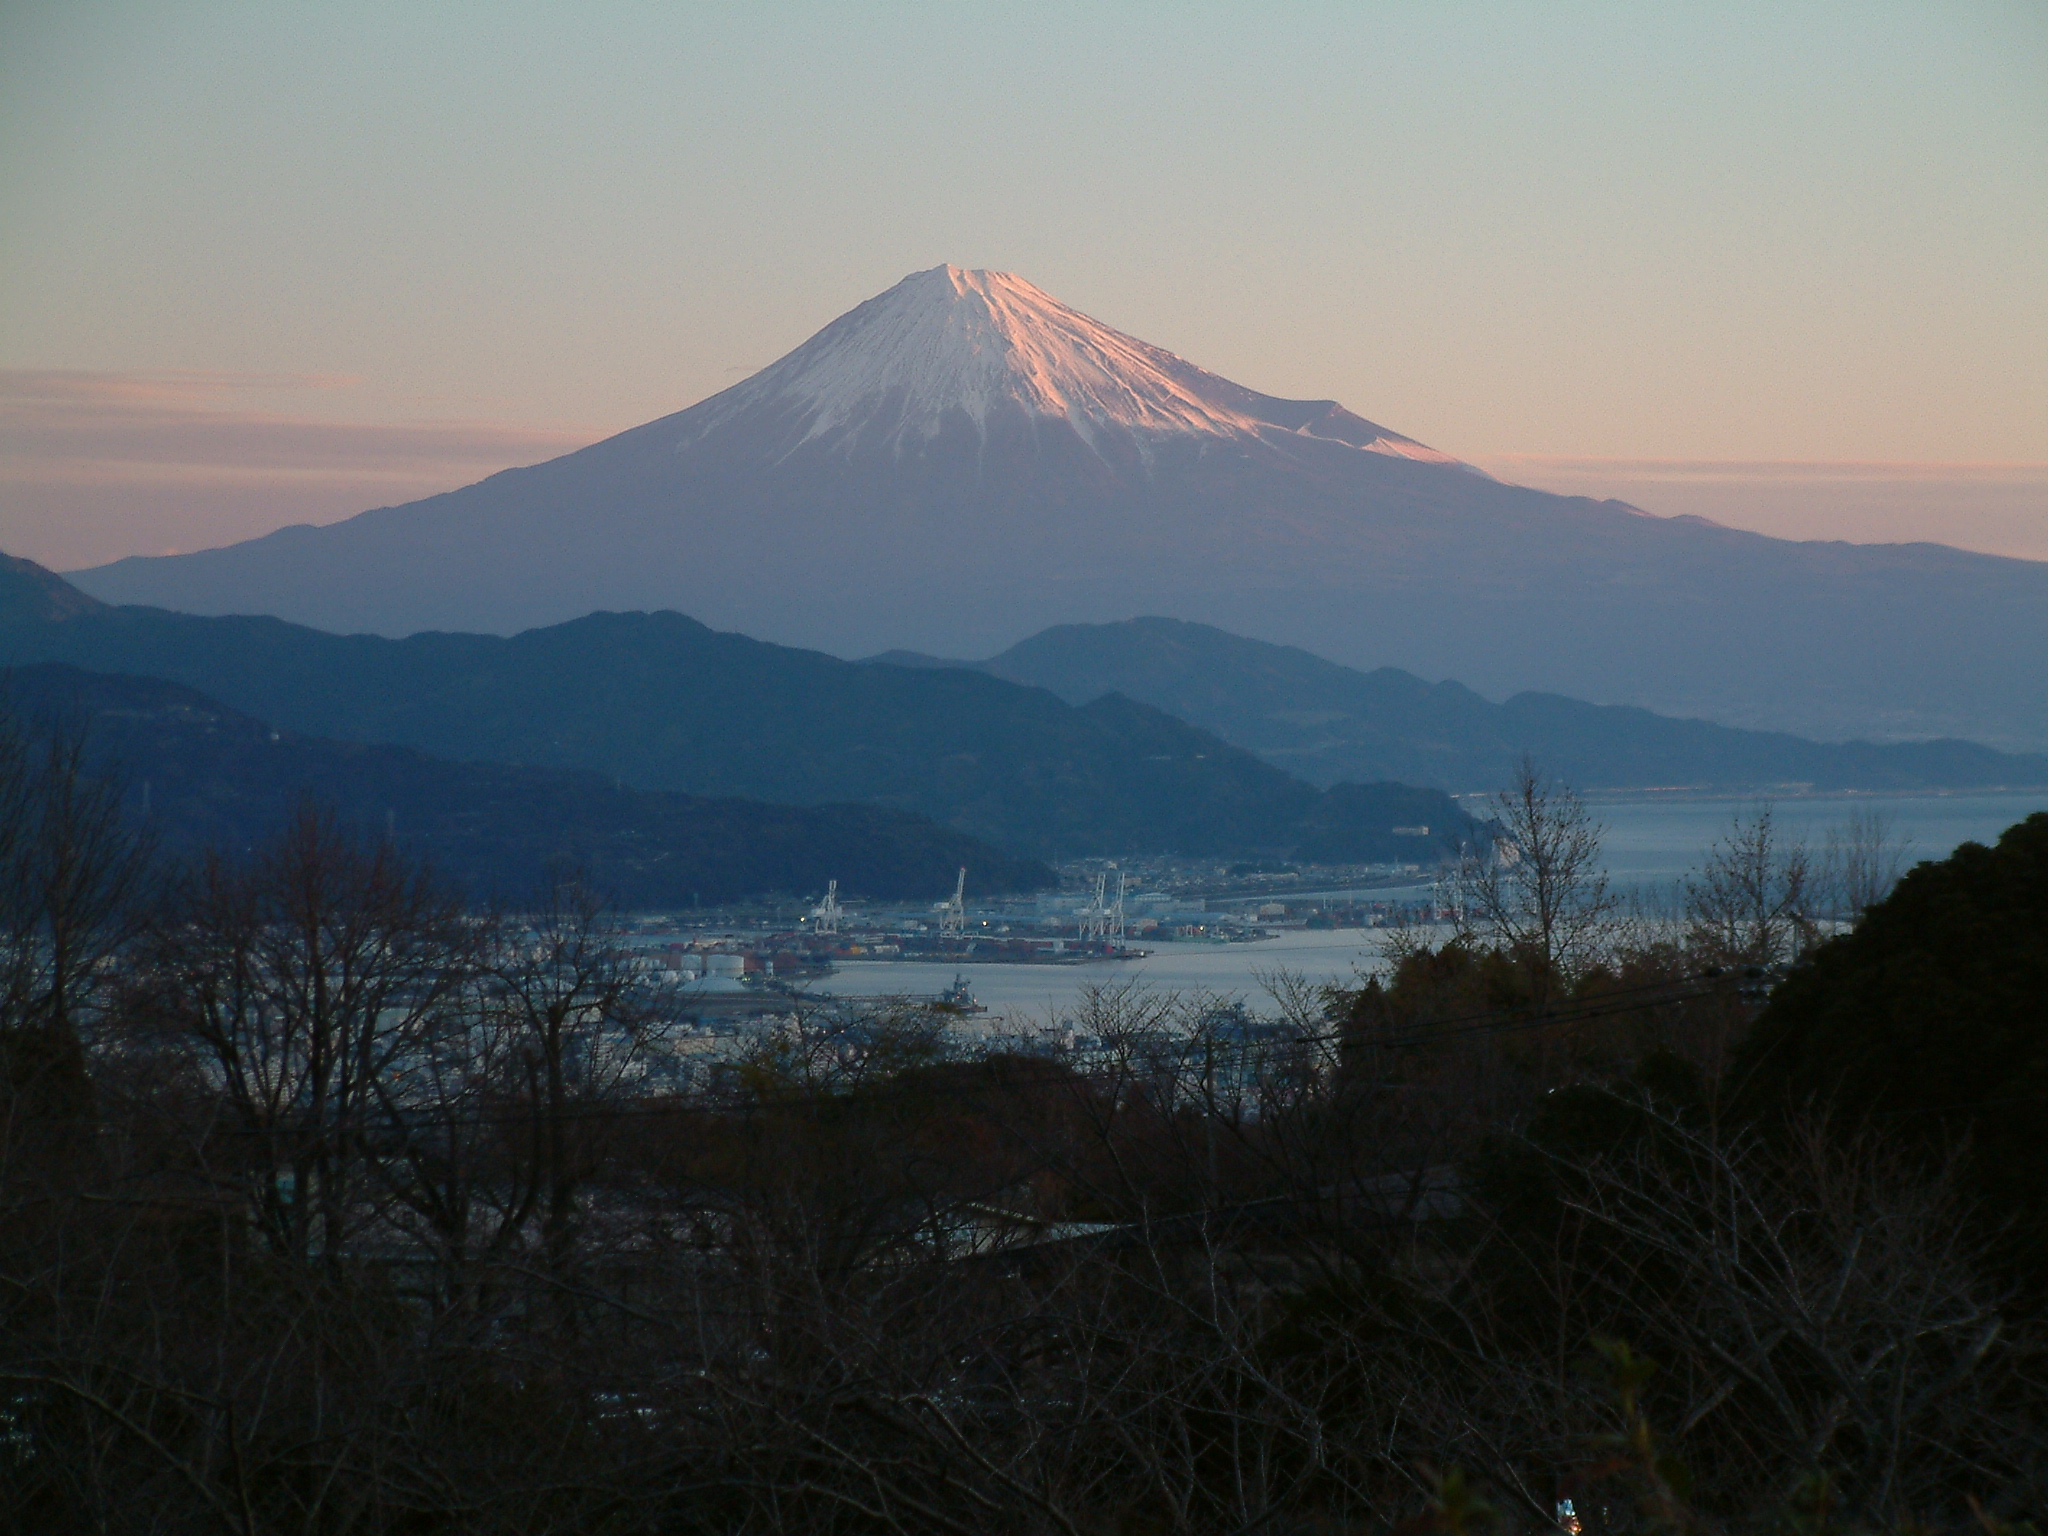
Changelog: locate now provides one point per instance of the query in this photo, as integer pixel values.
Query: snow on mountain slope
(963, 460)
(950, 341)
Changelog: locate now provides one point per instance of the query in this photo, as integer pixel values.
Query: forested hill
(205, 775)
(659, 701)
(1327, 723)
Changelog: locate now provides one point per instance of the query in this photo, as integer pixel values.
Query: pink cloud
(98, 426)
(96, 465)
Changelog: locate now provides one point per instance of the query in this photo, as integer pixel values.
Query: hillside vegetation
(330, 1202)
(204, 776)
(657, 701)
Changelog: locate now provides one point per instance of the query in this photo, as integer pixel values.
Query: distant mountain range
(964, 460)
(661, 702)
(203, 775)
(1328, 723)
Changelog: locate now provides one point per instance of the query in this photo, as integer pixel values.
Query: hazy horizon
(101, 467)
(1775, 267)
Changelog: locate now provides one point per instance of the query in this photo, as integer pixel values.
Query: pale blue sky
(267, 262)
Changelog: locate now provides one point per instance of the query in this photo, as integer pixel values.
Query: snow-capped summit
(952, 343)
(964, 460)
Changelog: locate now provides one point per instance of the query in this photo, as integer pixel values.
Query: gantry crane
(953, 914)
(825, 915)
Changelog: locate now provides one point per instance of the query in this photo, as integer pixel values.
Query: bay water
(1649, 845)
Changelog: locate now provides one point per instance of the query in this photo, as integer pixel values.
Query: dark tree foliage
(375, 1213)
(71, 871)
(1930, 1022)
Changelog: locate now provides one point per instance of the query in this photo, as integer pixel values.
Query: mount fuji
(964, 460)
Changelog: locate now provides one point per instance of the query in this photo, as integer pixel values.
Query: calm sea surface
(1661, 840)
(1648, 843)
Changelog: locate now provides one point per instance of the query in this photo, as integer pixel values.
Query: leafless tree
(1821, 1306)
(1541, 893)
(71, 871)
(493, 1108)
(1862, 862)
(1225, 1269)
(1749, 903)
(577, 1022)
(314, 983)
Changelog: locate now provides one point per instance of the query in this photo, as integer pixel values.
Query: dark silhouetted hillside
(1328, 723)
(1929, 1023)
(658, 701)
(204, 774)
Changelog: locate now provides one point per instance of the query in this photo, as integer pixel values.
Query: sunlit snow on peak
(950, 340)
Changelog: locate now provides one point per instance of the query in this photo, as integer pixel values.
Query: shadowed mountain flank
(963, 460)
(657, 701)
(204, 776)
(1327, 723)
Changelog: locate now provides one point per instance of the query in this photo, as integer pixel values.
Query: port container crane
(953, 914)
